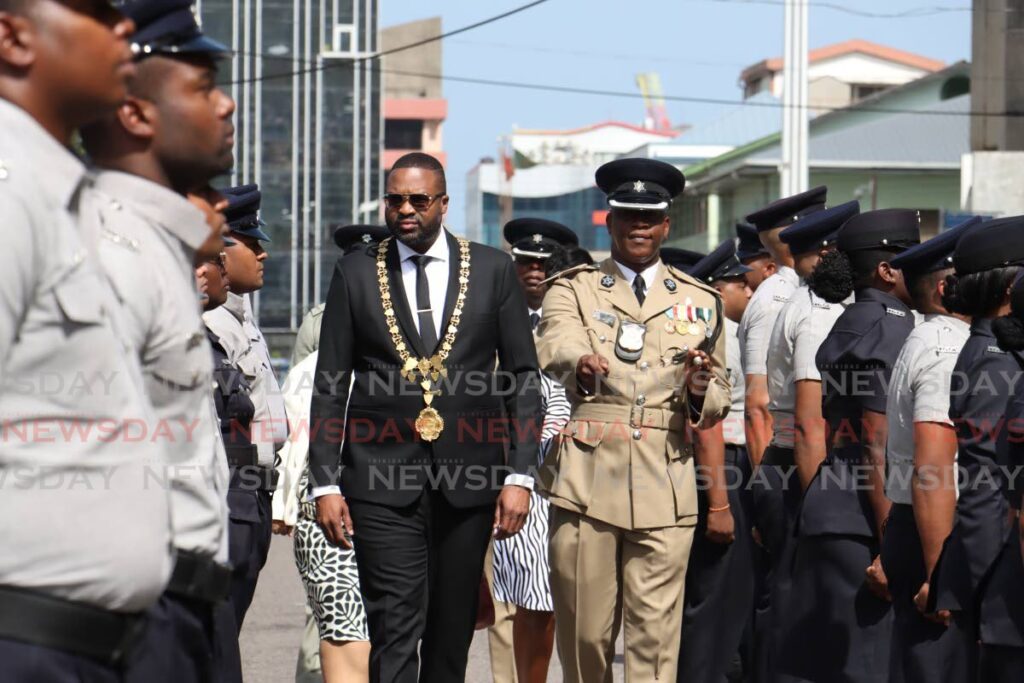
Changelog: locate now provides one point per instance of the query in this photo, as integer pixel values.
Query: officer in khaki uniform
(640, 349)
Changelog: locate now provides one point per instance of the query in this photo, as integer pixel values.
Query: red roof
(595, 126)
(889, 54)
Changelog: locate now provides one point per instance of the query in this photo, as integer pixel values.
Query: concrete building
(550, 173)
(841, 74)
(414, 106)
(901, 147)
(309, 130)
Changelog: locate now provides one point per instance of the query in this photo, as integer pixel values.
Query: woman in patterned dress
(521, 562)
(328, 571)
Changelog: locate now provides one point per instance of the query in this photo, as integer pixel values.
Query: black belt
(72, 627)
(199, 577)
(242, 456)
(779, 456)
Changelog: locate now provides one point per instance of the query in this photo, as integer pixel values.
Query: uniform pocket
(683, 476)
(79, 297)
(186, 364)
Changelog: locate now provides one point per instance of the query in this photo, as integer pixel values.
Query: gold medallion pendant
(429, 424)
(424, 371)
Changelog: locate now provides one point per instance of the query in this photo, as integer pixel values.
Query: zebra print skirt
(521, 562)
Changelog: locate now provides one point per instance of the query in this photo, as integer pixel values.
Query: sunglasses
(420, 202)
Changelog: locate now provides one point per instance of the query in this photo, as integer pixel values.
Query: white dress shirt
(437, 284)
(647, 275)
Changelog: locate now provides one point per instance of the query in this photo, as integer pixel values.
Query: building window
(403, 134)
(864, 90)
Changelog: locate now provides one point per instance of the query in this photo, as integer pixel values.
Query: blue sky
(698, 47)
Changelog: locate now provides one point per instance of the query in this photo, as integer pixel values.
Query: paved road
(273, 627)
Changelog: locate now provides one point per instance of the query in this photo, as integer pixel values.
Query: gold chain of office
(424, 371)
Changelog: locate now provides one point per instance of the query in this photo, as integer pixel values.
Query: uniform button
(641, 399)
(644, 365)
(602, 338)
(637, 434)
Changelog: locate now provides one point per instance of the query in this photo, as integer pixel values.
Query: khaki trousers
(499, 636)
(602, 576)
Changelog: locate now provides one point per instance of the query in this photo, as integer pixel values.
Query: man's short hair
(420, 160)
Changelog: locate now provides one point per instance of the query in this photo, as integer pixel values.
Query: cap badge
(537, 238)
(607, 281)
(366, 238)
(639, 186)
(670, 284)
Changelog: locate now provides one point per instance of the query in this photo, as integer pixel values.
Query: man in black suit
(430, 424)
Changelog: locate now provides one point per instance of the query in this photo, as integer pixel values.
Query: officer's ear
(17, 41)
(137, 116)
(888, 274)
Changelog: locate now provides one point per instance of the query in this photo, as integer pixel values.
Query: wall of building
(308, 132)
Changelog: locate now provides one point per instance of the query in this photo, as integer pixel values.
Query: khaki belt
(635, 416)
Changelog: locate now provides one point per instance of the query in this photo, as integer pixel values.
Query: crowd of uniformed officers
(795, 458)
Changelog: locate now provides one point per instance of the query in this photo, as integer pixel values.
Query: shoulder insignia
(995, 349)
(780, 298)
(608, 281)
(121, 240)
(946, 349)
(895, 311)
(690, 280)
(670, 284)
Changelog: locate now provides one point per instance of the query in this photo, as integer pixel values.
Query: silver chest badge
(607, 281)
(629, 344)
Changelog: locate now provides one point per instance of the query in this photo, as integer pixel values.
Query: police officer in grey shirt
(172, 134)
(921, 435)
(84, 540)
(233, 324)
(759, 318)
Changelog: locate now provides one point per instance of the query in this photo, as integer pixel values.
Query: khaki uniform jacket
(624, 458)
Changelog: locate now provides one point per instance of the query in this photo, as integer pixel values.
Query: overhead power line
(402, 48)
(573, 90)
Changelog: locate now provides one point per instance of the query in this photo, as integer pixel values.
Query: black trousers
(921, 651)
(178, 645)
(25, 663)
(719, 589)
(776, 497)
(419, 572)
(249, 533)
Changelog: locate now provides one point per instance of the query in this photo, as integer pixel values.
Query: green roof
(703, 167)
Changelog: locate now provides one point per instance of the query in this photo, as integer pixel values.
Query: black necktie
(425, 312)
(638, 289)
(534, 321)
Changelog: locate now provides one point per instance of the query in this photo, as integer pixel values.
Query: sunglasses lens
(419, 201)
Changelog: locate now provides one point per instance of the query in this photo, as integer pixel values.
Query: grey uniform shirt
(800, 329)
(148, 235)
(919, 392)
(307, 339)
(80, 515)
(759, 319)
(733, 424)
(247, 350)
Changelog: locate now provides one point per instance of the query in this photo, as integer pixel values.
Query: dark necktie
(425, 312)
(534, 321)
(638, 289)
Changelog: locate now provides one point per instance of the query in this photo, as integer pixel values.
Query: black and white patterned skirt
(331, 579)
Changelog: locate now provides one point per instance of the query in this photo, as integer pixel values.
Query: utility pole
(795, 172)
(991, 175)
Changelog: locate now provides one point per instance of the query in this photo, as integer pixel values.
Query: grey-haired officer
(253, 480)
(720, 576)
(533, 241)
(626, 340)
(348, 238)
(844, 632)
(151, 154)
(85, 546)
(923, 438)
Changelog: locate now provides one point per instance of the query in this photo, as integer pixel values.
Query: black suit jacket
(491, 418)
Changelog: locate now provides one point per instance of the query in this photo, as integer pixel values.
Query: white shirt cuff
(325, 491)
(524, 480)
